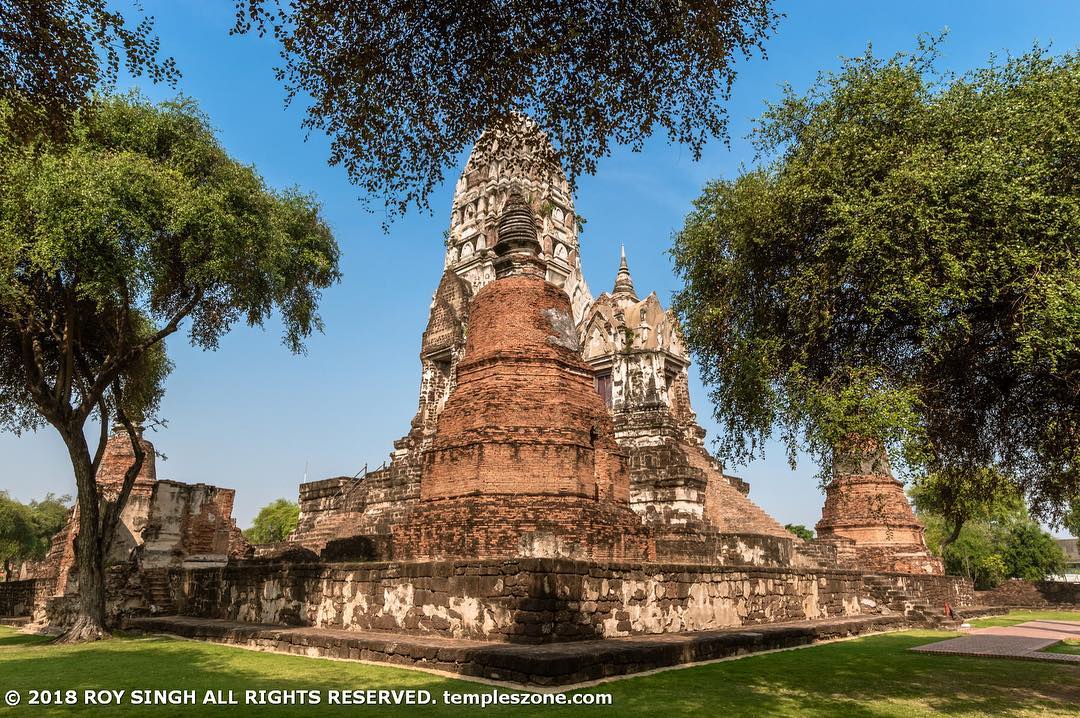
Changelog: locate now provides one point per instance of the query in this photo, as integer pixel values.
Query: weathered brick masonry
(17, 597)
(1031, 593)
(554, 484)
(523, 600)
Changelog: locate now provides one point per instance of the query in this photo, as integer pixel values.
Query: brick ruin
(866, 505)
(553, 485)
(165, 525)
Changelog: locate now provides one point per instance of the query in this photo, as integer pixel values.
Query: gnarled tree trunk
(89, 557)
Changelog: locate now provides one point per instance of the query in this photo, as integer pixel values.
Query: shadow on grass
(874, 676)
(1069, 646)
(21, 639)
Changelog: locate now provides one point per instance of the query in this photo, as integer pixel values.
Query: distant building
(1071, 547)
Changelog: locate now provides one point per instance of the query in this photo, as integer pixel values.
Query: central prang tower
(524, 461)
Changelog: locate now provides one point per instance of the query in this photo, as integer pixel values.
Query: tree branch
(114, 366)
(952, 536)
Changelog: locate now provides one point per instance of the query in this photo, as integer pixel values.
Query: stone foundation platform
(550, 665)
(517, 600)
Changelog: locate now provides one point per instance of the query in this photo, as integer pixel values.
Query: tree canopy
(402, 88)
(108, 244)
(55, 53)
(903, 266)
(801, 531)
(274, 522)
(26, 530)
(999, 544)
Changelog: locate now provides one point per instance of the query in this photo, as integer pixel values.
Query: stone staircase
(158, 592)
(884, 591)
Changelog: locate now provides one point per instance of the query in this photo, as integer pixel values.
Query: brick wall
(17, 597)
(1031, 593)
(524, 600)
(517, 525)
(936, 590)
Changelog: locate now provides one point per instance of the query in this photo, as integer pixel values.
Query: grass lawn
(1069, 645)
(871, 676)
(1015, 617)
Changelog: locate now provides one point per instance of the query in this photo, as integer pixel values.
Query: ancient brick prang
(523, 424)
(865, 504)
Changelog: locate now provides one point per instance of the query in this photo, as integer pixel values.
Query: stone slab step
(547, 665)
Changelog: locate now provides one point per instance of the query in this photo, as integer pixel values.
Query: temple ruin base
(522, 600)
(561, 665)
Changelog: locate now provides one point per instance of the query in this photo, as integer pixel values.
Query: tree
(1071, 520)
(26, 530)
(1031, 554)
(52, 54)
(108, 245)
(402, 88)
(801, 531)
(16, 532)
(274, 522)
(1002, 542)
(903, 267)
(957, 499)
(49, 516)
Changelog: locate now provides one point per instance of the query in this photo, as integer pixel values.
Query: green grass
(875, 676)
(1015, 617)
(1069, 645)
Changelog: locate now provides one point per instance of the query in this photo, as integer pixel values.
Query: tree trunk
(89, 556)
(7, 569)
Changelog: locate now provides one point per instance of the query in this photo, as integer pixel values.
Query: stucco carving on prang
(519, 156)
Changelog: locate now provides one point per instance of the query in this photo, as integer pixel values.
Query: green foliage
(904, 268)
(49, 516)
(403, 88)
(108, 243)
(1071, 520)
(56, 52)
(958, 498)
(1032, 554)
(274, 522)
(17, 537)
(1002, 543)
(801, 531)
(27, 529)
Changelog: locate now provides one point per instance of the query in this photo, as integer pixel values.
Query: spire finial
(624, 285)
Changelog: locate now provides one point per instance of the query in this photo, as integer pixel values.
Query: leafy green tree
(403, 88)
(979, 495)
(801, 531)
(1001, 543)
(56, 52)
(1071, 521)
(1032, 554)
(26, 530)
(274, 522)
(108, 244)
(17, 535)
(902, 268)
(49, 516)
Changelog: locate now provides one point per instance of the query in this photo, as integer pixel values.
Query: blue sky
(251, 415)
